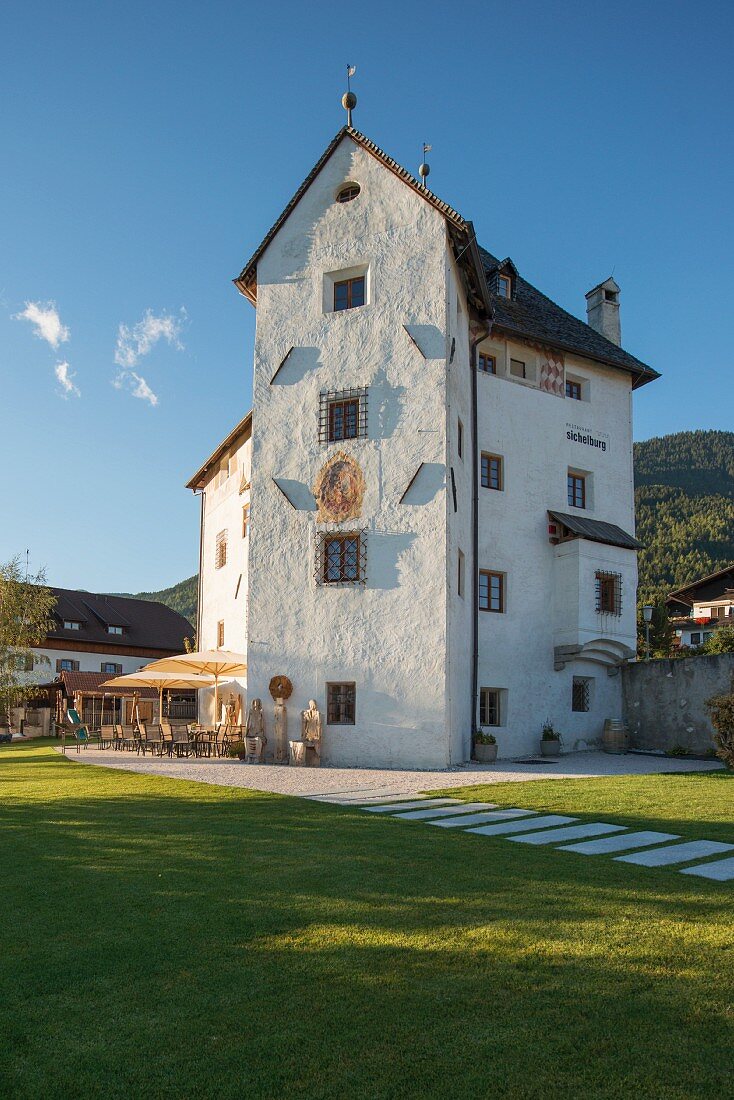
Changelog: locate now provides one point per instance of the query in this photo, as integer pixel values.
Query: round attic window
(348, 192)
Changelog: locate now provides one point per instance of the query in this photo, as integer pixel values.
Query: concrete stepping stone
(363, 799)
(479, 819)
(676, 853)
(445, 811)
(619, 843)
(419, 804)
(552, 836)
(722, 870)
(524, 826)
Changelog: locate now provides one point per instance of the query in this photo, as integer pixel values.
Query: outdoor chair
(182, 742)
(129, 737)
(142, 742)
(155, 741)
(107, 736)
(79, 730)
(166, 737)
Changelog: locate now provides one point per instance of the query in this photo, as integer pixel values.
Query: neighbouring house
(699, 608)
(427, 521)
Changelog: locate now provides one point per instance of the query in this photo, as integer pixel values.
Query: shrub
(237, 748)
(721, 709)
(548, 732)
(482, 738)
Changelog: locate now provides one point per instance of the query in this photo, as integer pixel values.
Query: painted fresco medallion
(339, 490)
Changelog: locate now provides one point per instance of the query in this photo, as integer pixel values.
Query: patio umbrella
(207, 662)
(159, 680)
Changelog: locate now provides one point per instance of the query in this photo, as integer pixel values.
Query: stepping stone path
(530, 827)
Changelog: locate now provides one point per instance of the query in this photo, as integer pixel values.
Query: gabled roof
(147, 624)
(244, 428)
(530, 315)
(88, 683)
(595, 530)
(687, 594)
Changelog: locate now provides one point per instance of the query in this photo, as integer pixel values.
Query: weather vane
(425, 168)
(349, 99)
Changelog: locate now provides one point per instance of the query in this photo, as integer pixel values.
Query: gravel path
(313, 782)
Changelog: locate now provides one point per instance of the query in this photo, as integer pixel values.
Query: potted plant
(485, 747)
(550, 740)
(238, 749)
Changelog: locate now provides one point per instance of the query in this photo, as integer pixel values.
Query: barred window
(489, 707)
(341, 558)
(220, 551)
(341, 704)
(491, 591)
(492, 472)
(580, 693)
(343, 415)
(609, 593)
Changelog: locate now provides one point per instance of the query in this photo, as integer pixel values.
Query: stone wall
(665, 701)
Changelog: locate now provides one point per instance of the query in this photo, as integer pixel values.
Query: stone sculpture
(280, 724)
(311, 730)
(255, 739)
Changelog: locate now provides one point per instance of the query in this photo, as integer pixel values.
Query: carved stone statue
(311, 730)
(280, 724)
(255, 739)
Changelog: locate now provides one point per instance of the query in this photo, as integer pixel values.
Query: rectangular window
(341, 558)
(461, 574)
(491, 591)
(504, 286)
(460, 439)
(341, 704)
(490, 707)
(487, 363)
(576, 491)
(220, 633)
(111, 669)
(24, 662)
(609, 593)
(349, 293)
(517, 368)
(696, 638)
(342, 415)
(245, 520)
(72, 624)
(117, 630)
(64, 664)
(492, 472)
(580, 693)
(573, 390)
(220, 550)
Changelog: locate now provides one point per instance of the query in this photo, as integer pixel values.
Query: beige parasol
(159, 680)
(207, 662)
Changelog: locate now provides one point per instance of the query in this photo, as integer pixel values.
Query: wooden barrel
(615, 738)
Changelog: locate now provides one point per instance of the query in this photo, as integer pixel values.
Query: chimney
(602, 310)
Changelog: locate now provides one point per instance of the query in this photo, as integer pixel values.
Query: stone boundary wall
(664, 701)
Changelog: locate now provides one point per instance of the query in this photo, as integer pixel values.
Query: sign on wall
(575, 433)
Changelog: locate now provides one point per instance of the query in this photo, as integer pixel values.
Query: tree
(721, 709)
(661, 632)
(721, 641)
(25, 620)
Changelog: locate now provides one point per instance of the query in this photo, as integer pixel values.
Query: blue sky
(147, 148)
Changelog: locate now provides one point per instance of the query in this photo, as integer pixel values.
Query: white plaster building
(441, 482)
(700, 608)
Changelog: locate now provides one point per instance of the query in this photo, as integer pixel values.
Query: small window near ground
(487, 363)
(220, 633)
(491, 591)
(576, 491)
(580, 694)
(220, 550)
(349, 293)
(490, 707)
(348, 192)
(341, 704)
(492, 472)
(609, 593)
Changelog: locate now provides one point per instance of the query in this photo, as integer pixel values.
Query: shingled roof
(146, 624)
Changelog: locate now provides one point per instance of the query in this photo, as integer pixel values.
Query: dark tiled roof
(146, 624)
(596, 530)
(89, 684)
(713, 584)
(530, 314)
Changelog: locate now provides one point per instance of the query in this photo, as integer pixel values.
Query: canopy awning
(595, 530)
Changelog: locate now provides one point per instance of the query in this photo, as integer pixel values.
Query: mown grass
(165, 938)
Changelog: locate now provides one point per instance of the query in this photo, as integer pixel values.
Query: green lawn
(165, 938)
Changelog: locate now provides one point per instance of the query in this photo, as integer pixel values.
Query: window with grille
(487, 363)
(348, 192)
(65, 665)
(576, 491)
(343, 415)
(341, 704)
(490, 703)
(580, 694)
(245, 520)
(220, 550)
(491, 591)
(111, 669)
(492, 473)
(349, 293)
(609, 593)
(220, 633)
(341, 558)
(573, 390)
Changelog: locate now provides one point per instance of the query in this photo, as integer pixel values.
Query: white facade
(47, 663)
(404, 637)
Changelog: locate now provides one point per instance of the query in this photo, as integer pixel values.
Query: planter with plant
(485, 747)
(238, 749)
(550, 740)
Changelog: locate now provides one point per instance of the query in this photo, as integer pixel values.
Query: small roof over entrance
(595, 530)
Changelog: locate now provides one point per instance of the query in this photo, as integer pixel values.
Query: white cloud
(128, 379)
(45, 317)
(136, 341)
(65, 378)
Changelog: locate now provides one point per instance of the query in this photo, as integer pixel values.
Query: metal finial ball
(349, 101)
(424, 171)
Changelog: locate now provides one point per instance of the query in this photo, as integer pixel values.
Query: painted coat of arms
(339, 490)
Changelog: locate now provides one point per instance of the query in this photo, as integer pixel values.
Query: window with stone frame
(341, 557)
(343, 415)
(341, 704)
(608, 593)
